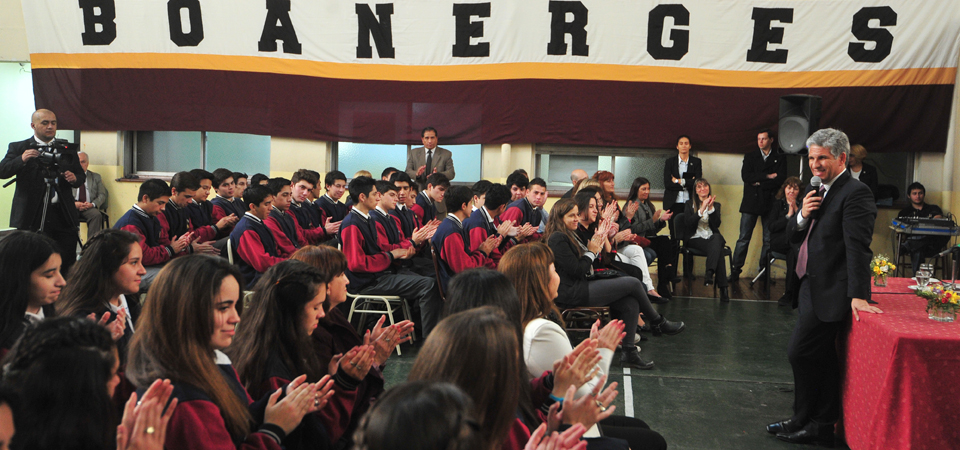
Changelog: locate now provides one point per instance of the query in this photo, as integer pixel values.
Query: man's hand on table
(859, 304)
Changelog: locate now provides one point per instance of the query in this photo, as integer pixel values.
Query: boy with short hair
(426, 208)
(175, 219)
(240, 182)
(451, 243)
(142, 221)
(389, 229)
(286, 230)
(254, 247)
(369, 267)
(528, 210)
(225, 203)
(487, 221)
(517, 182)
(335, 183)
(316, 226)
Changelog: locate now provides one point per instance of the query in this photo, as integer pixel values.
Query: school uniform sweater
(333, 209)
(154, 241)
(365, 259)
(254, 247)
(175, 220)
(424, 209)
(521, 212)
(452, 246)
(286, 231)
(479, 226)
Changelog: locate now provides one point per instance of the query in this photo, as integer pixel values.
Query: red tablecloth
(902, 384)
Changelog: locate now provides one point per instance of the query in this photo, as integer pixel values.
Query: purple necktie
(802, 257)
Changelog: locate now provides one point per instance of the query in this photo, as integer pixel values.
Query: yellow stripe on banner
(501, 71)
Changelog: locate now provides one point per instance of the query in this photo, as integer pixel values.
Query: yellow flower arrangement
(881, 266)
(944, 301)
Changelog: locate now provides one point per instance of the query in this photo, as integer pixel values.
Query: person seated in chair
(785, 209)
(918, 246)
(699, 228)
(90, 198)
(254, 246)
(451, 243)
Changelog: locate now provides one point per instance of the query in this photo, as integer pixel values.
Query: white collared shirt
(682, 167)
(34, 318)
(802, 221)
(123, 305)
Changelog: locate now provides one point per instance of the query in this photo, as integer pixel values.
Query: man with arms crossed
(835, 228)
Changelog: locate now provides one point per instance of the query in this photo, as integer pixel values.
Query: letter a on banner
(279, 11)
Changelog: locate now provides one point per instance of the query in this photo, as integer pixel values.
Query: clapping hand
(592, 408)
(356, 363)
(504, 228)
(116, 327)
(385, 340)
(576, 368)
(298, 402)
(568, 440)
(609, 336)
(144, 423)
(631, 210)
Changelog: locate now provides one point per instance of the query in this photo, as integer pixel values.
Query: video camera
(52, 156)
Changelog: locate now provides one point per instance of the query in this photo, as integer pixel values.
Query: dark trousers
(713, 247)
(64, 231)
(627, 298)
(665, 249)
(420, 290)
(747, 223)
(922, 247)
(816, 364)
(635, 431)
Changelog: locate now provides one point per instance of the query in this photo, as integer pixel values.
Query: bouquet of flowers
(881, 266)
(942, 304)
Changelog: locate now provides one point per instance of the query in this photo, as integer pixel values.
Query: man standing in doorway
(763, 172)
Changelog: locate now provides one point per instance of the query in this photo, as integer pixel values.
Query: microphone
(815, 183)
(949, 250)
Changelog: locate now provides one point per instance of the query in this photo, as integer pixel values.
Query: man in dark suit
(28, 199)
(835, 229)
(763, 171)
(679, 176)
(423, 161)
(90, 198)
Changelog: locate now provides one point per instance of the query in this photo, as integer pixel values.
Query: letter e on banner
(764, 34)
(881, 36)
(680, 38)
(467, 29)
(108, 28)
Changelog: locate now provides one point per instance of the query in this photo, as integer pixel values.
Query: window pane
(466, 162)
(352, 157)
(248, 153)
(627, 168)
(168, 151)
(555, 169)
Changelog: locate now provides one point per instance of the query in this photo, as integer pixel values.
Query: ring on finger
(150, 430)
(354, 364)
(600, 405)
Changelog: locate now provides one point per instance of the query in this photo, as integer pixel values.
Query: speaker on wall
(799, 118)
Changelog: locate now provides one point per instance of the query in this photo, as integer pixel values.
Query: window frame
(613, 152)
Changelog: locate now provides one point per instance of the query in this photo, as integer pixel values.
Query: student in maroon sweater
(451, 242)
(283, 223)
(486, 221)
(310, 216)
(142, 221)
(274, 345)
(189, 316)
(389, 226)
(529, 209)
(225, 203)
(253, 244)
(175, 220)
(369, 267)
(336, 337)
(425, 207)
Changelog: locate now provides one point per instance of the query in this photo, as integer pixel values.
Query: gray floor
(715, 385)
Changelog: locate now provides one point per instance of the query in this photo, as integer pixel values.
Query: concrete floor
(715, 386)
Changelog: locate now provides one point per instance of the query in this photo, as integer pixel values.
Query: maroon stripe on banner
(605, 113)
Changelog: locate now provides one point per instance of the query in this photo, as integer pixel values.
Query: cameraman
(25, 214)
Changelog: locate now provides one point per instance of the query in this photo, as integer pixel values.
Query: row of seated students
(178, 372)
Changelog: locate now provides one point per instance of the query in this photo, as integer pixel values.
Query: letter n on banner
(381, 30)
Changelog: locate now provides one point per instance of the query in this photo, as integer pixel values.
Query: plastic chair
(378, 304)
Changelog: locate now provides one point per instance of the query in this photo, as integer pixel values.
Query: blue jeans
(747, 222)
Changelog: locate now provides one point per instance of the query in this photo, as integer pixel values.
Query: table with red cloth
(901, 387)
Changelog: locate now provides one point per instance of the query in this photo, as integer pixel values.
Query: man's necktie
(428, 170)
(82, 194)
(802, 257)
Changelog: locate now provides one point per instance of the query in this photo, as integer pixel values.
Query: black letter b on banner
(559, 27)
(108, 12)
(763, 34)
(174, 10)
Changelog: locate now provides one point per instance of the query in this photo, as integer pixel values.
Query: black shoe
(676, 279)
(643, 328)
(708, 278)
(785, 300)
(633, 360)
(724, 295)
(667, 327)
(658, 299)
(813, 433)
(734, 276)
(784, 426)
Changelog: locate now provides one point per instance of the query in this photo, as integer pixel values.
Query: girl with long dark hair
(189, 316)
(699, 227)
(640, 216)
(31, 283)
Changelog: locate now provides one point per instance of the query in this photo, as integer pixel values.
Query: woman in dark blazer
(699, 227)
(675, 182)
(643, 219)
(625, 295)
(784, 210)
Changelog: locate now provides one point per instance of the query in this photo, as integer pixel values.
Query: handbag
(604, 273)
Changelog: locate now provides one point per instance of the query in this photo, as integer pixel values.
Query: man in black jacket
(834, 228)
(21, 161)
(763, 172)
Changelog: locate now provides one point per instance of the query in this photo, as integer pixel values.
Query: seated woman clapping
(699, 227)
(576, 258)
(189, 316)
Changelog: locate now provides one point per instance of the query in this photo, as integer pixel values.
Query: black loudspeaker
(799, 118)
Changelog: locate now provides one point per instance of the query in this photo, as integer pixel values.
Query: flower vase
(941, 314)
(880, 280)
